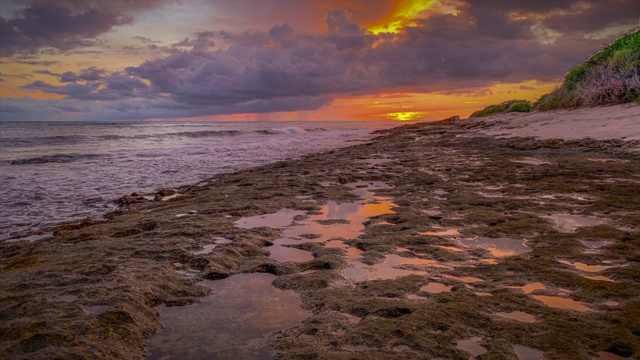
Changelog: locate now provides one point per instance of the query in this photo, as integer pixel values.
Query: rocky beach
(449, 240)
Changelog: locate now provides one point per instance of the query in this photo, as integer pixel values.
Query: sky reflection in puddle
(235, 321)
(531, 161)
(450, 232)
(529, 288)
(386, 270)
(449, 248)
(599, 278)
(32, 238)
(471, 346)
(518, 316)
(282, 218)
(499, 247)
(466, 280)
(605, 355)
(561, 303)
(527, 353)
(207, 249)
(435, 288)
(569, 223)
(336, 221)
(585, 267)
(285, 254)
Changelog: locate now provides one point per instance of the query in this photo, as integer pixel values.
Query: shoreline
(441, 176)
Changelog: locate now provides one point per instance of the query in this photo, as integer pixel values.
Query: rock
(166, 192)
(158, 197)
(130, 199)
(454, 119)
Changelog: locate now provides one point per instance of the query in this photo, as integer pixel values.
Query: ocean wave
(43, 141)
(58, 158)
(281, 131)
(209, 133)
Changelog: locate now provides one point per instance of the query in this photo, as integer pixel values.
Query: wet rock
(130, 199)
(166, 192)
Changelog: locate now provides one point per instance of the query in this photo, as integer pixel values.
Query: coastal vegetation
(610, 76)
(505, 107)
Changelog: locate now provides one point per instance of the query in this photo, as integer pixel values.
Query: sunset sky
(290, 59)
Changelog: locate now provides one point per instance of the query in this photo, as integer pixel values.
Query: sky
(91, 60)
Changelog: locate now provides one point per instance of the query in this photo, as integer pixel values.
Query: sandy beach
(515, 236)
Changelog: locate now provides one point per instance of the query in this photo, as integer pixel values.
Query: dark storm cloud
(64, 24)
(115, 86)
(600, 15)
(441, 53)
(89, 74)
(283, 69)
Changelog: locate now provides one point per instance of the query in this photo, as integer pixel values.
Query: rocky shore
(467, 244)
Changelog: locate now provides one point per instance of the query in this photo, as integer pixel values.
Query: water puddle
(352, 319)
(599, 278)
(352, 253)
(527, 353)
(569, 223)
(466, 280)
(561, 303)
(585, 267)
(97, 309)
(436, 288)
(594, 244)
(383, 223)
(432, 212)
(450, 232)
(605, 355)
(499, 247)
(335, 221)
(358, 348)
(518, 316)
(282, 218)
(490, 261)
(491, 195)
(531, 161)
(190, 213)
(471, 346)
(611, 303)
(449, 248)
(530, 288)
(284, 254)
(208, 249)
(32, 238)
(374, 162)
(388, 269)
(66, 297)
(236, 321)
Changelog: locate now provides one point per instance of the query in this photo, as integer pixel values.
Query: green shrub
(523, 106)
(610, 76)
(505, 107)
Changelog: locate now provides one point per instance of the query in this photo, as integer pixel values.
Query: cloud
(95, 87)
(64, 24)
(282, 68)
(441, 53)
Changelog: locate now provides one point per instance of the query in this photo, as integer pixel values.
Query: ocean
(59, 172)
